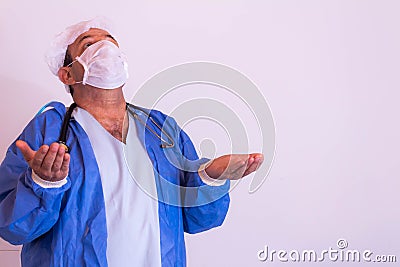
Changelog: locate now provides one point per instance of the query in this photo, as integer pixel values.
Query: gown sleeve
(28, 210)
(205, 206)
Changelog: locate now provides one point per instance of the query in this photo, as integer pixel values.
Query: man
(127, 188)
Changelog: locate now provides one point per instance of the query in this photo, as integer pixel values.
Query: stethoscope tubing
(62, 140)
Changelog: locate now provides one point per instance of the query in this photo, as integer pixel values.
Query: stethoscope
(62, 140)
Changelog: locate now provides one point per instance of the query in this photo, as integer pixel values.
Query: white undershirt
(131, 214)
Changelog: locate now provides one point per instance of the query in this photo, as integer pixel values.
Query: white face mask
(104, 64)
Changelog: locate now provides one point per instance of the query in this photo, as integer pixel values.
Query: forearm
(212, 211)
(28, 210)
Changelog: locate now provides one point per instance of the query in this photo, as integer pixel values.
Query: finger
(240, 166)
(48, 160)
(26, 150)
(253, 162)
(253, 167)
(38, 158)
(65, 165)
(257, 156)
(58, 160)
(237, 160)
(243, 161)
(258, 160)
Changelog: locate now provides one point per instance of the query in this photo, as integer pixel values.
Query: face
(81, 43)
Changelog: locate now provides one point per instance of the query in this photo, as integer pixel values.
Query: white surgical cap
(56, 53)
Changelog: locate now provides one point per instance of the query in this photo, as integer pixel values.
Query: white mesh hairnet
(56, 53)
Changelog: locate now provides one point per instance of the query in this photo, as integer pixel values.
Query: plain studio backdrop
(329, 71)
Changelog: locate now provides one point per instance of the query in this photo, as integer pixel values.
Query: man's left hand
(234, 166)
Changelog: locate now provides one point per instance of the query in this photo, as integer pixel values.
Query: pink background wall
(329, 70)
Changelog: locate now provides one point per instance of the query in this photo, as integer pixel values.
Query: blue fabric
(67, 226)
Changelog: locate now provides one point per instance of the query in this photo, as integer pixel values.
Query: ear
(64, 74)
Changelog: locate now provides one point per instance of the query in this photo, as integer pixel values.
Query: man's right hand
(49, 163)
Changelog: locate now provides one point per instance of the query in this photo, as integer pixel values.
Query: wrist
(46, 183)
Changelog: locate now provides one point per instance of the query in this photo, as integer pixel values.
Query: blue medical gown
(66, 226)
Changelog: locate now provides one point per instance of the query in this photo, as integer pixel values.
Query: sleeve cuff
(207, 179)
(47, 184)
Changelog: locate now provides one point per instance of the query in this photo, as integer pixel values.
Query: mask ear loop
(84, 67)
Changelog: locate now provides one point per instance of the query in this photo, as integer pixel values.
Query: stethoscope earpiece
(65, 146)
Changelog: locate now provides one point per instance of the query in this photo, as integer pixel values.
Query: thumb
(26, 150)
